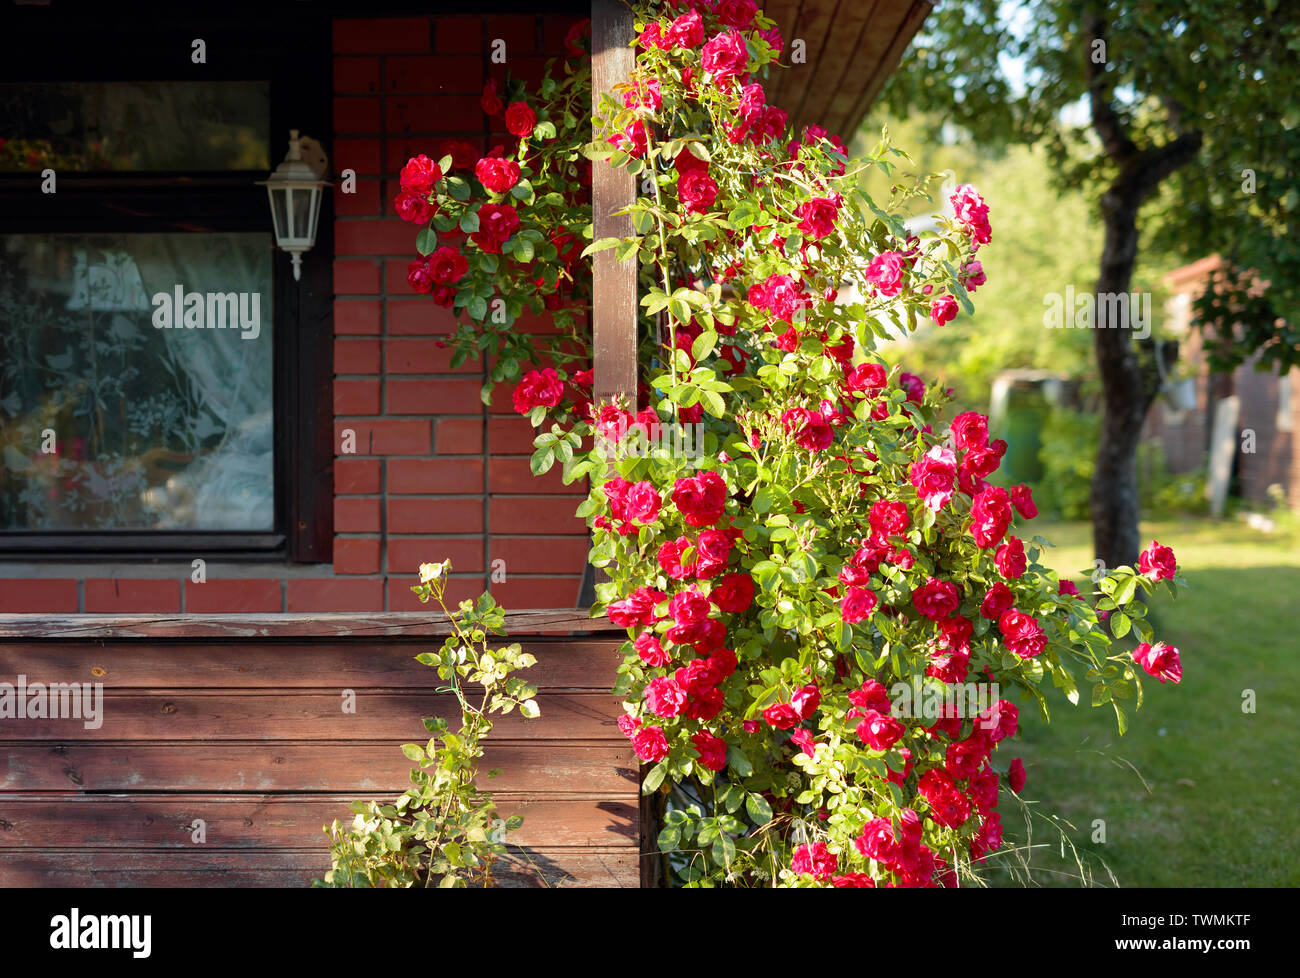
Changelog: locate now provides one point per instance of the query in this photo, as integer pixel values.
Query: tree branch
(1119, 147)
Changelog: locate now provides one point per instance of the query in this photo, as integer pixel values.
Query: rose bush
(834, 538)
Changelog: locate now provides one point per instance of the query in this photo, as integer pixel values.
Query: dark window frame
(292, 50)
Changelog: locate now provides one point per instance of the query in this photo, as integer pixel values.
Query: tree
(1157, 108)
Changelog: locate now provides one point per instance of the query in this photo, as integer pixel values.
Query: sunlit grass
(1197, 793)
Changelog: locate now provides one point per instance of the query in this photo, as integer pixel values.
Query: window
(163, 379)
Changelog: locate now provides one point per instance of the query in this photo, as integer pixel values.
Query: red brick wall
(435, 474)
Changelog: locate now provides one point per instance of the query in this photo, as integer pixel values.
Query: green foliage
(443, 831)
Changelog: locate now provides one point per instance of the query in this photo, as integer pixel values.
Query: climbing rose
(642, 502)
(781, 295)
(1157, 562)
(414, 208)
(737, 13)
(696, 190)
(948, 806)
(1016, 775)
(636, 609)
(887, 519)
(520, 120)
(713, 750)
(866, 377)
(1010, 558)
(805, 700)
(933, 475)
(538, 388)
(781, 715)
(878, 731)
(1068, 588)
(687, 31)
(447, 265)
(970, 429)
(701, 499)
(496, 222)
(814, 860)
(972, 212)
(734, 593)
(724, 55)
(664, 697)
(650, 744)
(990, 516)
(857, 605)
(419, 175)
(943, 310)
(1022, 634)
(651, 652)
(1160, 660)
(817, 217)
(936, 599)
(885, 272)
(810, 429)
(496, 174)
(998, 599)
(712, 551)
(1023, 499)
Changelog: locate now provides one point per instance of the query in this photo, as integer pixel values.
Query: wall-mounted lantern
(295, 192)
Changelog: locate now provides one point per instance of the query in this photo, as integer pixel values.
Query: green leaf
(1120, 624)
(760, 812)
(426, 241)
(469, 222)
(654, 778)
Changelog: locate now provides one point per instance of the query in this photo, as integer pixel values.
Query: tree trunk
(1125, 389)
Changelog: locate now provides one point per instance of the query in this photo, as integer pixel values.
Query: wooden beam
(614, 298)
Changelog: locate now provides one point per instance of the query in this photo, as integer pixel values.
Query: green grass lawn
(1197, 793)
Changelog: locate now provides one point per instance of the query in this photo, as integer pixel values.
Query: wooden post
(614, 298)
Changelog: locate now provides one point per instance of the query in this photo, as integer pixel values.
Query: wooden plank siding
(238, 721)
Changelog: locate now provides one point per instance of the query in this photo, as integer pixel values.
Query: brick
(385, 437)
(408, 514)
(129, 596)
(444, 74)
(399, 148)
(441, 396)
(510, 436)
(458, 35)
(356, 75)
(333, 594)
(373, 237)
(459, 588)
(529, 593)
(417, 317)
(356, 114)
(356, 278)
(52, 595)
(356, 555)
(366, 200)
(432, 113)
(459, 437)
(356, 514)
(539, 555)
(433, 475)
(361, 155)
(356, 396)
(534, 514)
(422, 356)
(512, 474)
(379, 35)
(519, 31)
(358, 356)
(528, 69)
(406, 554)
(233, 596)
(356, 475)
(356, 317)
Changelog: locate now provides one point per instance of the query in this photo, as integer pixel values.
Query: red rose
(1016, 775)
(489, 100)
(1022, 634)
(496, 222)
(447, 265)
(781, 715)
(650, 744)
(805, 701)
(712, 551)
(1023, 500)
(1159, 660)
(936, 599)
(696, 190)
(665, 697)
(943, 310)
(998, 600)
(813, 860)
(859, 881)
(737, 13)
(1010, 558)
(973, 213)
(872, 696)
(642, 503)
(932, 475)
(636, 609)
(1157, 562)
(687, 31)
(990, 516)
(817, 217)
(520, 120)
(887, 519)
(651, 652)
(689, 611)
(414, 208)
(879, 731)
(964, 757)
(724, 55)
(810, 430)
(869, 377)
(885, 273)
(734, 593)
(538, 388)
(627, 724)
(701, 499)
(857, 605)
(496, 174)
(419, 277)
(670, 559)
(713, 750)
(970, 429)
(949, 807)
(419, 175)
(999, 721)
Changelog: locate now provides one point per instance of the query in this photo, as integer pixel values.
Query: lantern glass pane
(301, 213)
(279, 197)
